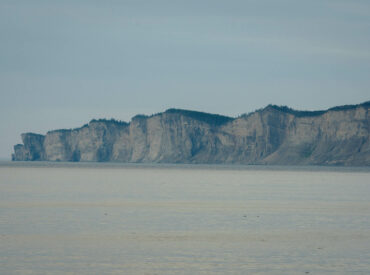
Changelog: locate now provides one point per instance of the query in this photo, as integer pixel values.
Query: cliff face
(33, 148)
(273, 135)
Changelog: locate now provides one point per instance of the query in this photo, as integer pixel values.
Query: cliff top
(212, 119)
(298, 113)
(112, 121)
(215, 119)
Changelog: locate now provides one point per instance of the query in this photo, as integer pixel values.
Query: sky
(63, 63)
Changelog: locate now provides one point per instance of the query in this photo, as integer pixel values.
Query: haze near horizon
(65, 63)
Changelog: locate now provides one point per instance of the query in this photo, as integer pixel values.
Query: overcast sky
(63, 63)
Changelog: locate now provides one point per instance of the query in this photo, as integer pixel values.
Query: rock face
(273, 135)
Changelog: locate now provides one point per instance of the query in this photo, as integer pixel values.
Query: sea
(111, 218)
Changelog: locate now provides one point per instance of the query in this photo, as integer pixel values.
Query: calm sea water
(88, 218)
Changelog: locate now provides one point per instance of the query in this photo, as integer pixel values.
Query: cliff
(273, 135)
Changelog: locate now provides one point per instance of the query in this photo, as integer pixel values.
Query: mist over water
(91, 218)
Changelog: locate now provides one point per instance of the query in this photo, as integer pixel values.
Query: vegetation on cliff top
(212, 119)
(298, 113)
(112, 121)
(215, 119)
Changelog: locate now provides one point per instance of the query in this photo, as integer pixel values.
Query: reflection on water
(93, 218)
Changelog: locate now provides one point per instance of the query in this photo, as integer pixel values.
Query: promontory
(272, 135)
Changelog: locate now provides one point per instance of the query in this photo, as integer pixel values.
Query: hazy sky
(64, 62)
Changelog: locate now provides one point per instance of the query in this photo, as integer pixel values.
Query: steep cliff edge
(273, 135)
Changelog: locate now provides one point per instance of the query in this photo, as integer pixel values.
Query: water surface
(58, 218)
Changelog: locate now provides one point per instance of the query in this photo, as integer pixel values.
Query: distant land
(274, 135)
